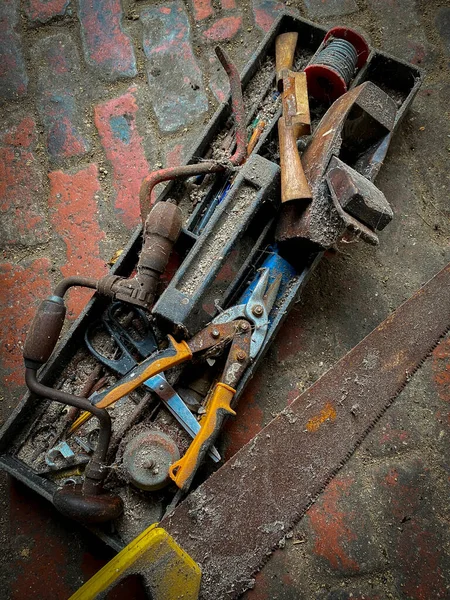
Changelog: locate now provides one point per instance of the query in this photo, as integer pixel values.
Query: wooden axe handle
(285, 45)
(294, 185)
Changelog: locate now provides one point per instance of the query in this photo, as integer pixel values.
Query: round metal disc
(147, 459)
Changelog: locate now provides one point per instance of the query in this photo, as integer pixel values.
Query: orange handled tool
(174, 354)
(218, 407)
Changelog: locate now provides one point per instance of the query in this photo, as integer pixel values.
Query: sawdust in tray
(141, 509)
(302, 58)
(216, 241)
(258, 84)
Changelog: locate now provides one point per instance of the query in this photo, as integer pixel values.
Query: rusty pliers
(245, 327)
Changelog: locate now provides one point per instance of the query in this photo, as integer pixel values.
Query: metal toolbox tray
(397, 78)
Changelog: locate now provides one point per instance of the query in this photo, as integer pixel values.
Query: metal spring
(341, 56)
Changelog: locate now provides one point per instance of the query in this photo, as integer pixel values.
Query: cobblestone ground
(94, 95)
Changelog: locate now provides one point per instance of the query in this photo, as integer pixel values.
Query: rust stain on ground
(330, 521)
(328, 413)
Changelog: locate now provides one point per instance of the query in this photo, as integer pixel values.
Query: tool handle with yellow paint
(176, 353)
(182, 471)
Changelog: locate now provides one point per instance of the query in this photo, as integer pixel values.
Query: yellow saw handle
(182, 471)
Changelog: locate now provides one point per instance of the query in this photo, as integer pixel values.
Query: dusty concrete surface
(381, 528)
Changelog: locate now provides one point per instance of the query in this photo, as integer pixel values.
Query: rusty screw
(215, 333)
(244, 326)
(241, 356)
(257, 310)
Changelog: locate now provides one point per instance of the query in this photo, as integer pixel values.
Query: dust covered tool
(294, 122)
(355, 129)
(344, 52)
(167, 571)
(132, 350)
(245, 327)
(321, 427)
(232, 240)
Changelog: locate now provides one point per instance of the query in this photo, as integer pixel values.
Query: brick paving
(94, 94)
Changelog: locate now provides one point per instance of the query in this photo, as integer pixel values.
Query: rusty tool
(162, 226)
(133, 349)
(87, 502)
(294, 122)
(245, 327)
(206, 166)
(277, 476)
(354, 128)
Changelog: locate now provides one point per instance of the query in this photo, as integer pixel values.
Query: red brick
(74, 214)
(441, 369)
(340, 529)
(43, 557)
(223, 29)
(179, 99)
(44, 10)
(266, 11)
(116, 124)
(331, 526)
(422, 568)
(21, 290)
(106, 47)
(13, 75)
(175, 156)
(202, 9)
(21, 191)
(57, 96)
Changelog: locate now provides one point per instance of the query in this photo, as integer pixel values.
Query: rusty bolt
(241, 356)
(244, 326)
(257, 310)
(215, 333)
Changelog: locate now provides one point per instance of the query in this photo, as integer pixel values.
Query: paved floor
(87, 89)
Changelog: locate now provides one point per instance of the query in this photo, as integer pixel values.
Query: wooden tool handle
(285, 45)
(294, 185)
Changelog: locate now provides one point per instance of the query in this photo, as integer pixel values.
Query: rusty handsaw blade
(233, 521)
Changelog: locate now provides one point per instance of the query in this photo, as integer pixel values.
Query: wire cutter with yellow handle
(245, 326)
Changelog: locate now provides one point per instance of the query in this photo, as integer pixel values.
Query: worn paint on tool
(328, 413)
(168, 571)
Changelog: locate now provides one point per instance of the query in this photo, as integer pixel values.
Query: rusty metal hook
(207, 166)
